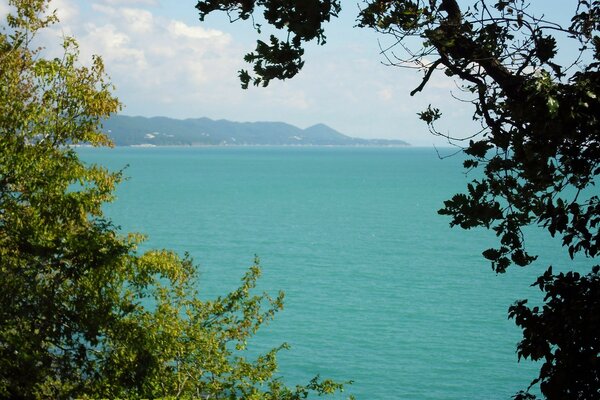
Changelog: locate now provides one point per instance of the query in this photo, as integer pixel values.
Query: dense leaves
(83, 313)
(537, 150)
(302, 22)
(560, 333)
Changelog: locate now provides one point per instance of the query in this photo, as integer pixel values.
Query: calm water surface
(378, 288)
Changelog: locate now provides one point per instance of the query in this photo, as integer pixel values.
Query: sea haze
(378, 288)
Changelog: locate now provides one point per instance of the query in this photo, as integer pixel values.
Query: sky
(164, 62)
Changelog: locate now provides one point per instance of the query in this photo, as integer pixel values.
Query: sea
(378, 288)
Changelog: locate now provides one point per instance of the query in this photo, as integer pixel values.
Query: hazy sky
(164, 61)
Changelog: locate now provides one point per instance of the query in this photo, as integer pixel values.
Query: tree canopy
(537, 143)
(83, 312)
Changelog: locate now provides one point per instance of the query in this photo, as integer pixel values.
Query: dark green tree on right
(538, 146)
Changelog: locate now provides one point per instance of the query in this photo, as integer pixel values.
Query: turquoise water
(378, 288)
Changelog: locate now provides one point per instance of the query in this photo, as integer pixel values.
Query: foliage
(538, 149)
(278, 59)
(83, 313)
(569, 322)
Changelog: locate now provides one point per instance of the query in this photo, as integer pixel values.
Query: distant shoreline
(150, 146)
(162, 132)
(215, 146)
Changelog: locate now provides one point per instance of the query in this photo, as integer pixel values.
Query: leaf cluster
(302, 22)
(570, 320)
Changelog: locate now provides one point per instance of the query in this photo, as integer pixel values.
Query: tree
(83, 313)
(538, 145)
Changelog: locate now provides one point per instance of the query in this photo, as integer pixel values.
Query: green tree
(538, 145)
(83, 313)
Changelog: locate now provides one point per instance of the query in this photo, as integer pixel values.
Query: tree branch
(432, 68)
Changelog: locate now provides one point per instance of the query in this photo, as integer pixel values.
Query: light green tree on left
(83, 313)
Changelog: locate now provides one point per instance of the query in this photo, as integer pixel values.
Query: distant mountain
(162, 131)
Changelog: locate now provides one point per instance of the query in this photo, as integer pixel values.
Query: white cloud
(139, 21)
(66, 10)
(180, 29)
(3, 9)
(114, 46)
(153, 60)
(131, 2)
(174, 66)
(386, 94)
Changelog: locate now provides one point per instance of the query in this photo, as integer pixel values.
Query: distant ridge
(162, 131)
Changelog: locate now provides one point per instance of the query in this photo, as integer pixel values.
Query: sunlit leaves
(386, 16)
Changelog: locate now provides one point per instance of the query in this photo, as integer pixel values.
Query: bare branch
(432, 68)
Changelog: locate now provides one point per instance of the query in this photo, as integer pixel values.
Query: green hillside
(162, 131)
